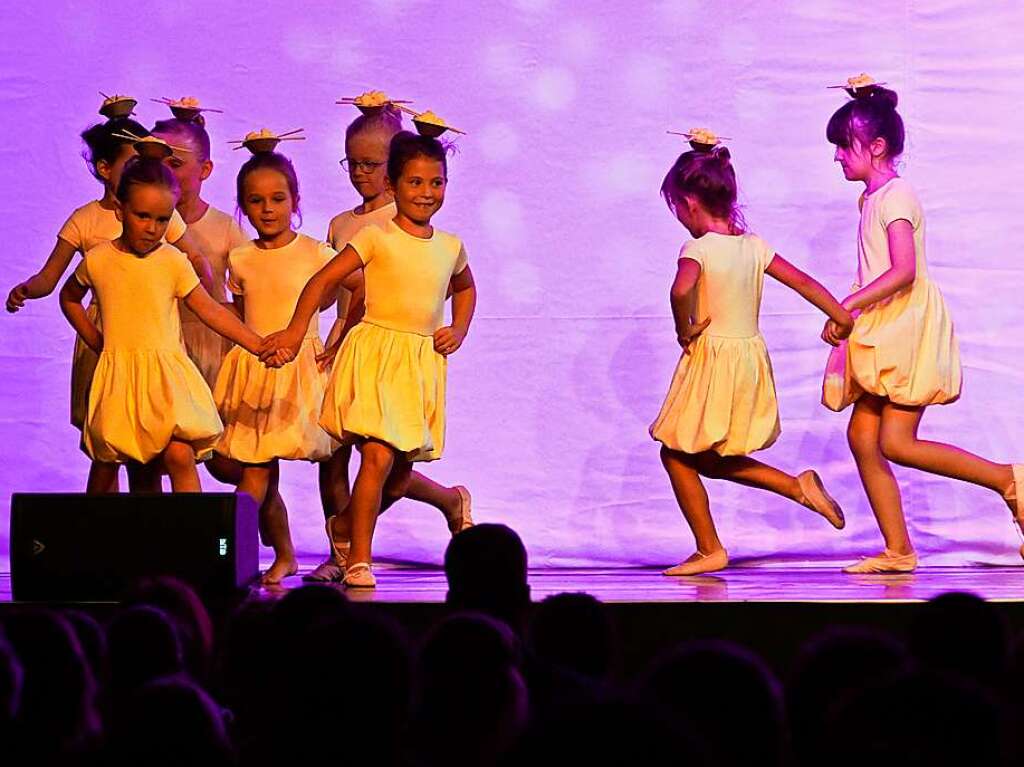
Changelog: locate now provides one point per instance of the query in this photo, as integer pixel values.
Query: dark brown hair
(872, 114)
(709, 177)
(272, 161)
(101, 145)
(406, 146)
(139, 171)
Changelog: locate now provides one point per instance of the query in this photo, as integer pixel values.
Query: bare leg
(899, 443)
(864, 437)
(375, 467)
(224, 469)
(179, 459)
(261, 482)
(692, 498)
(425, 490)
(144, 477)
(335, 492)
(750, 472)
(103, 478)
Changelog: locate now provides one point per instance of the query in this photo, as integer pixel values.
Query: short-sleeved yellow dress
(145, 390)
(902, 348)
(87, 227)
(722, 396)
(387, 382)
(272, 412)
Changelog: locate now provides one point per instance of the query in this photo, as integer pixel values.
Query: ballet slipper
(360, 576)
(339, 551)
(698, 563)
(465, 518)
(1014, 497)
(816, 498)
(886, 562)
(328, 571)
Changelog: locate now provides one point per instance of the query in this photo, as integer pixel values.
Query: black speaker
(76, 547)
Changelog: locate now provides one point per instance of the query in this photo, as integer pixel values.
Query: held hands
(448, 339)
(691, 334)
(17, 297)
(834, 331)
(278, 349)
(326, 357)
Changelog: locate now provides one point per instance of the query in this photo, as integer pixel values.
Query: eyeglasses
(352, 166)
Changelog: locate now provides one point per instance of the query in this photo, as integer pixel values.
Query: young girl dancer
(107, 151)
(721, 405)
(387, 387)
(367, 139)
(902, 355)
(271, 414)
(148, 403)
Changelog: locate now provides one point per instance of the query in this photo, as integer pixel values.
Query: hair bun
(879, 95)
(721, 152)
(199, 120)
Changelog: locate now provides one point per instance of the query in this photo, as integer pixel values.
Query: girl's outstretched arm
(45, 280)
(71, 296)
(684, 299)
(323, 283)
(900, 234)
(219, 318)
(814, 292)
(448, 339)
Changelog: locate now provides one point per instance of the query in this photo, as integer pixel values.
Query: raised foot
(698, 563)
(463, 516)
(817, 499)
(886, 562)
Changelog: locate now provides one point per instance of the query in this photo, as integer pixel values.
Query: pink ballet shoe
(699, 563)
(1014, 497)
(886, 562)
(339, 551)
(275, 574)
(360, 576)
(818, 499)
(465, 517)
(328, 571)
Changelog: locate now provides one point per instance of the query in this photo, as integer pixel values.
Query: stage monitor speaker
(76, 547)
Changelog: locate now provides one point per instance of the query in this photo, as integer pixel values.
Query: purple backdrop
(555, 191)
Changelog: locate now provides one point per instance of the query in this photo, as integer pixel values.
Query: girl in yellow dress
(148, 404)
(902, 355)
(721, 404)
(107, 151)
(218, 233)
(271, 414)
(367, 139)
(386, 393)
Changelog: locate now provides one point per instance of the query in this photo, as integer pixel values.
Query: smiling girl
(387, 388)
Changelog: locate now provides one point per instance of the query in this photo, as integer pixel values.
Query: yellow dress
(722, 395)
(387, 382)
(272, 412)
(902, 348)
(86, 228)
(339, 232)
(145, 391)
(217, 234)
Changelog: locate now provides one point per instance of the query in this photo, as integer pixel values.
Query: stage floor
(426, 585)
